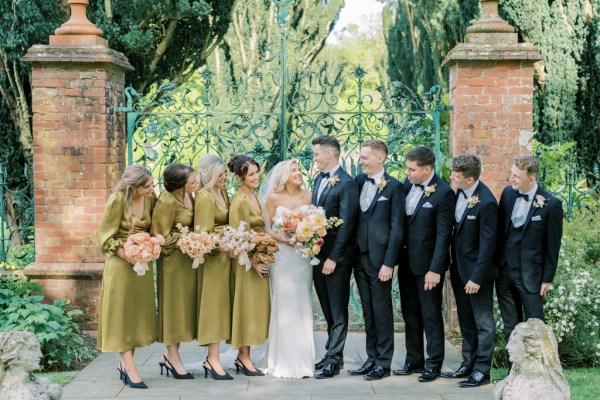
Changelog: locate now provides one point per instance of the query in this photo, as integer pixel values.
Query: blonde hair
(281, 174)
(528, 163)
(134, 176)
(209, 169)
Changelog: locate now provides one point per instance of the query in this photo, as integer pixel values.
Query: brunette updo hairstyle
(176, 175)
(239, 165)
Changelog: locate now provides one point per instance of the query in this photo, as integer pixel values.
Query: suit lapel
(509, 209)
(315, 192)
(327, 188)
(423, 198)
(467, 209)
(378, 193)
(531, 209)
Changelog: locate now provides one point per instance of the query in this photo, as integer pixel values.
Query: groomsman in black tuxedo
(529, 234)
(425, 256)
(473, 270)
(337, 193)
(380, 233)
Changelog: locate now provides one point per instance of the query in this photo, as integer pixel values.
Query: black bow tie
(325, 175)
(370, 180)
(460, 191)
(523, 195)
(419, 186)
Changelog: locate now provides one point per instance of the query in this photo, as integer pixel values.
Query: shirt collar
(469, 192)
(333, 170)
(531, 193)
(378, 175)
(428, 181)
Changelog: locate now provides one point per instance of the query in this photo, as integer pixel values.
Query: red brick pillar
(78, 154)
(491, 89)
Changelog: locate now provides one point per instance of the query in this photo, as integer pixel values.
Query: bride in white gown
(291, 352)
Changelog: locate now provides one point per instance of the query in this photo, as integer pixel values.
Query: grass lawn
(62, 378)
(583, 382)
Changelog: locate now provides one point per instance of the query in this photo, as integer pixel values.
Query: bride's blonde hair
(282, 174)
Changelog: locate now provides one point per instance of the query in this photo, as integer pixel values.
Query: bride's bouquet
(141, 248)
(264, 250)
(238, 242)
(306, 228)
(195, 244)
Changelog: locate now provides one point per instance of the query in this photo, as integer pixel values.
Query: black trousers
(422, 310)
(376, 300)
(514, 299)
(333, 292)
(477, 327)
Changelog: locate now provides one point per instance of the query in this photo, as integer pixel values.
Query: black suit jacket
(385, 222)
(341, 201)
(474, 239)
(542, 232)
(429, 229)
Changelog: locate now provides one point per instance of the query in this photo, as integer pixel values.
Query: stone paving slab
(99, 380)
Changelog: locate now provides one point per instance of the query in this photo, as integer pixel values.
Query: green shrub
(572, 305)
(59, 337)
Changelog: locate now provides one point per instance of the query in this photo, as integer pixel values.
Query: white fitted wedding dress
(291, 351)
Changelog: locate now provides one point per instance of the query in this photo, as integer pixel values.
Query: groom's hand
(329, 267)
(432, 279)
(385, 273)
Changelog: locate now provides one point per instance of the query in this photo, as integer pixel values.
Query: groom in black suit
(473, 270)
(380, 233)
(425, 257)
(529, 233)
(337, 193)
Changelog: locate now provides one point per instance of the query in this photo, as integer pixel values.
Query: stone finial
(78, 30)
(20, 355)
(536, 372)
(490, 28)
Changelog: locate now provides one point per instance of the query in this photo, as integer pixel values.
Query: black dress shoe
(377, 373)
(408, 369)
(462, 372)
(430, 374)
(363, 370)
(329, 371)
(475, 379)
(321, 363)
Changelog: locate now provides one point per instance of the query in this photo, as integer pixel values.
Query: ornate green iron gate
(273, 114)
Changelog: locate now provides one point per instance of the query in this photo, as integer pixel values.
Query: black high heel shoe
(245, 370)
(134, 385)
(176, 374)
(213, 373)
(121, 374)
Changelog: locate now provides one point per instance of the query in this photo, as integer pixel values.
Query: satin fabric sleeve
(239, 211)
(163, 219)
(110, 224)
(204, 212)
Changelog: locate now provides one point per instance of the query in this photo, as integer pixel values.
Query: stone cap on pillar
(78, 30)
(77, 41)
(491, 38)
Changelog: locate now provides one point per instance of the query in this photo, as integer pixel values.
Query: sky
(352, 13)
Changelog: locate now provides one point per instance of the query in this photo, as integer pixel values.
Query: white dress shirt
(462, 201)
(369, 190)
(521, 208)
(415, 195)
(324, 181)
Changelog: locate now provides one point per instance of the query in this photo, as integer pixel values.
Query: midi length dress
(251, 298)
(127, 310)
(175, 278)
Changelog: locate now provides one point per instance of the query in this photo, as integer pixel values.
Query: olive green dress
(127, 311)
(214, 276)
(175, 278)
(251, 297)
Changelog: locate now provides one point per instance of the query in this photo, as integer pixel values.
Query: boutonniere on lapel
(381, 184)
(429, 190)
(334, 180)
(473, 201)
(539, 201)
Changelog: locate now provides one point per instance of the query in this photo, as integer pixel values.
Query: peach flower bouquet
(238, 243)
(196, 244)
(264, 250)
(141, 248)
(306, 228)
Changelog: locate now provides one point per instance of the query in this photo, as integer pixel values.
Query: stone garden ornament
(19, 356)
(536, 372)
